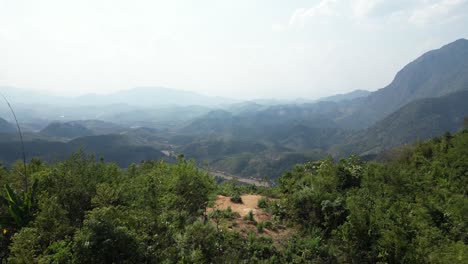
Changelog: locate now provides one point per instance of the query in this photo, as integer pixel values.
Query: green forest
(409, 207)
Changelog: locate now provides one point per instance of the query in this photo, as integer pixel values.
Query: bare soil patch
(249, 203)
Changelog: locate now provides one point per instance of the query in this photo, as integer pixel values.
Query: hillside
(254, 139)
(347, 96)
(114, 148)
(66, 130)
(418, 120)
(153, 97)
(99, 127)
(6, 127)
(408, 109)
(435, 73)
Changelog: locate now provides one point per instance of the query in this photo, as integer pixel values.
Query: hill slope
(154, 97)
(114, 148)
(347, 96)
(435, 73)
(6, 127)
(421, 119)
(66, 130)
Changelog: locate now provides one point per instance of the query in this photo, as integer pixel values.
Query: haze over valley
(304, 131)
(252, 139)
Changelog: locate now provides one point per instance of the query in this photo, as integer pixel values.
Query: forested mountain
(256, 138)
(140, 96)
(262, 121)
(400, 114)
(154, 97)
(264, 142)
(161, 117)
(99, 127)
(418, 120)
(81, 128)
(66, 130)
(347, 96)
(436, 73)
(6, 127)
(114, 148)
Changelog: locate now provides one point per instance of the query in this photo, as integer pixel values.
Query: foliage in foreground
(411, 209)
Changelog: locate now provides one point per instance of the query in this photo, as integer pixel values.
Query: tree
(104, 238)
(20, 210)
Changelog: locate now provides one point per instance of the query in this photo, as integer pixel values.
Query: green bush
(264, 225)
(262, 203)
(250, 217)
(236, 198)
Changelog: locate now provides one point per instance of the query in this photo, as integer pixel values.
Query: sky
(241, 49)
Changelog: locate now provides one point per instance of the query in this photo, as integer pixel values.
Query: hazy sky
(238, 48)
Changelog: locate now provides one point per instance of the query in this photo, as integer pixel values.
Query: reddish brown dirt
(250, 202)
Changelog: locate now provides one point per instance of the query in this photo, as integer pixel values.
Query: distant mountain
(347, 96)
(114, 148)
(435, 73)
(245, 107)
(98, 127)
(214, 149)
(154, 97)
(216, 121)
(140, 97)
(420, 119)
(6, 127)
(27, 96)
(291, 126)
(166, 117)
(427, 97)
(66, 130)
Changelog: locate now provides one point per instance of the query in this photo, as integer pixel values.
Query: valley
(249, 140)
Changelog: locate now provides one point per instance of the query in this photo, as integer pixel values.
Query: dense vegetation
(420, 119)
(412, 208)
(114, 148)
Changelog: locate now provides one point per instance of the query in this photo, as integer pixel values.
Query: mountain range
(255, 138)
(418, 120)
(435, 73)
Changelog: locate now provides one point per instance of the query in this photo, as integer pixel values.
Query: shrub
(250, 217)
(236, 198)
(229, 214)
(260, 227)
(264, 225)
(263, 203)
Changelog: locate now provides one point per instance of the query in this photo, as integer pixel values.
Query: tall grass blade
(23, 152)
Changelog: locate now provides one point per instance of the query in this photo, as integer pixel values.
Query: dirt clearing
(241, 224)
(250, 202)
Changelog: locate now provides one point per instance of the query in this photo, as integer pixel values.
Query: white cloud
(278, 27)
(413, 12)
(438, 11)
(323, 9)
(362, 8)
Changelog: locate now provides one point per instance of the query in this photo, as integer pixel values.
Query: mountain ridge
(418, 120)
(435, 73)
